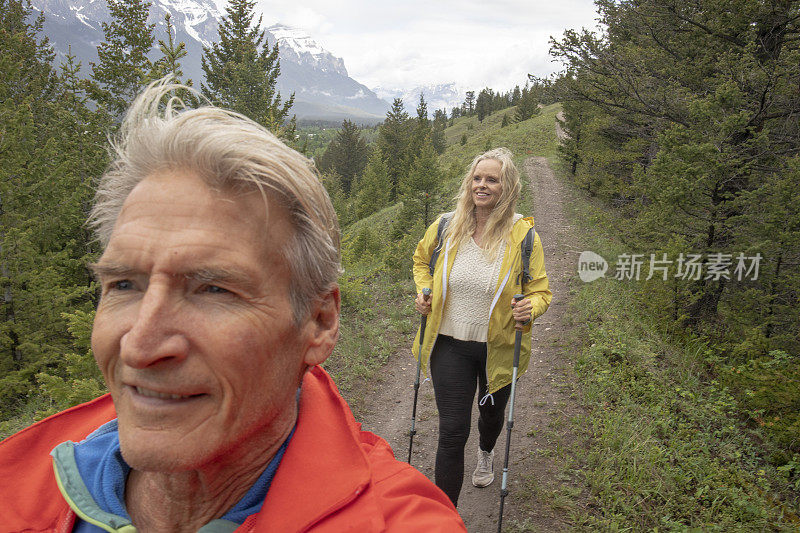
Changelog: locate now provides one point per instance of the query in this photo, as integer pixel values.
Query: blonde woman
(472, 315)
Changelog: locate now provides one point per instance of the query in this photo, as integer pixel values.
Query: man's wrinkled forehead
(178, 205)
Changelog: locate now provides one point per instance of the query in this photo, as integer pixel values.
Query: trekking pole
(510, 423)
(425, 293)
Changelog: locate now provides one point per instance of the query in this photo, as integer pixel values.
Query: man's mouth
(162, 395)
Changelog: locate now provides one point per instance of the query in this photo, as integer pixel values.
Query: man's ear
(323, 326)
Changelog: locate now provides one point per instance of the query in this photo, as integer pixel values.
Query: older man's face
(194, 331)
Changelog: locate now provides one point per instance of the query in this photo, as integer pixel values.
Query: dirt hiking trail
(545, 403)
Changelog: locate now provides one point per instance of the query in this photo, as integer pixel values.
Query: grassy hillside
(667, 446)
(364, 241)
(535, 136)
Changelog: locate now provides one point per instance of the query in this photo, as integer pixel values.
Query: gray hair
(228, 151)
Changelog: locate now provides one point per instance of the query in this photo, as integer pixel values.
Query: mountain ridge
(322, 87)
(437, 96)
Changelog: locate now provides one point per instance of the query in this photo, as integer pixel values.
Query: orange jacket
(333, 477)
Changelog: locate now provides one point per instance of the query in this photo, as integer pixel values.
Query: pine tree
(346, 155)
(541, 89)
(374, 187)
(483, 105)
(422, 111)
(50, 150)
(394, 140)
(341, 203)
(27, 81)
(469, 104)
(172, 53)
(242, 71)
(527, 107)
(170, 63)
(421, 130)
(438, 139)
(417, 189)
(123, 66)
(516, 95)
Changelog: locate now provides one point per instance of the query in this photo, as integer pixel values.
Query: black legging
(455, 367)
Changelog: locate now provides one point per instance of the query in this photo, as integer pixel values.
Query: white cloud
(411, 43)
(311, 20)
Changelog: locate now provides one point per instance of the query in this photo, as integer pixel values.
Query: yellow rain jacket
(500, 339)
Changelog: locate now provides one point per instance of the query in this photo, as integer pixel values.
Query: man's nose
(155, 336)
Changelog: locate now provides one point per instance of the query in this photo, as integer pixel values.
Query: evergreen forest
(679, 139)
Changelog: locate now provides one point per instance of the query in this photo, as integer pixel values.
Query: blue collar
(92, 476)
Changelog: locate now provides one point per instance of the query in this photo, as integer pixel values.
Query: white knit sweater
(470, 289)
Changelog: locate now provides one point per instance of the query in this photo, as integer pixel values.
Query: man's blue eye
(214, 289)
(122, 285)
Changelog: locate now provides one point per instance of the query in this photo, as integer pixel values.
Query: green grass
(529, 137)
(669, 448)
(378, 320)
(383, 220)
(533, 137)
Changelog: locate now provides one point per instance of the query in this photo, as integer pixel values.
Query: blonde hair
(500, 222)
(231, 152)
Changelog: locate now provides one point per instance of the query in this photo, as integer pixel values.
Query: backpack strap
(443, 221)
(527, 249)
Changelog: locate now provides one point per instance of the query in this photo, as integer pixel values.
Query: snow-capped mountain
(323, 90)
(297, 46)
(442, 96)
(330, 93)
(77, 24)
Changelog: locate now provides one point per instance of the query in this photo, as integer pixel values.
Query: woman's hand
(423, 304)
(522, 312)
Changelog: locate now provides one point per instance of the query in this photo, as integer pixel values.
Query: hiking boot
(484, 473)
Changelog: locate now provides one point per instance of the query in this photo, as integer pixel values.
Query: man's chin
(149, 452)
(145, 460)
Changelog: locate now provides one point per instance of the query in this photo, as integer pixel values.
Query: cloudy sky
(415, 42)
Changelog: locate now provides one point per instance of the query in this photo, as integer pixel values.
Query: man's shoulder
(28, 481)
(409, 501)
(73, 424)
(353, 479)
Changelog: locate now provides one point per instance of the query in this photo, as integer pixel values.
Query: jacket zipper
(491, 310)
